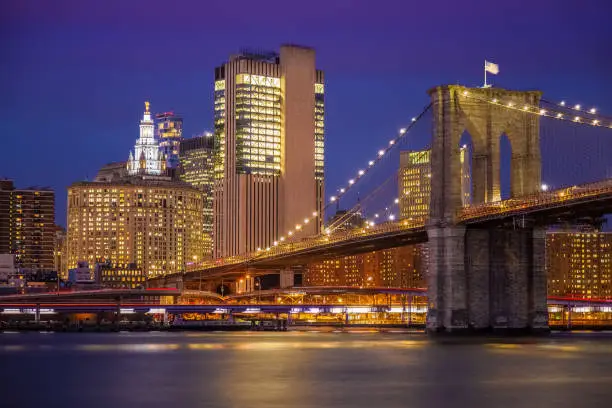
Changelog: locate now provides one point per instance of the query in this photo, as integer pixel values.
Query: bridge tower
(491, 276)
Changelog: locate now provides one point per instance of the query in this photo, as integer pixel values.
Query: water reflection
(301, 369)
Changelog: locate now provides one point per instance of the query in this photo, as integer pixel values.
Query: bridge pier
(487, 279)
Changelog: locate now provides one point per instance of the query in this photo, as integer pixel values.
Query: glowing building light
(351, 181)
(403, 130)
(275, 243)
(342, 190)
(332, 198)
(391, 142)
(361, 172)
(595, 122)
(577, 119)
(526, 107)
(562, 103)
(282, 239)
(391, 217)
(593, 111)
(371, 163)
(559, 115)
(381, 152)
(396, 200)
(465, 92)
(544, 187)
(375, 215)
(494, 100)
(542, 111)
(577, 107)
(510, 104)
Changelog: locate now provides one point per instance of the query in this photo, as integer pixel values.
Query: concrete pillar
(287, 278)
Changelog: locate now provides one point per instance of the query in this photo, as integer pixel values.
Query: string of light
(594, 120)
(382, 153)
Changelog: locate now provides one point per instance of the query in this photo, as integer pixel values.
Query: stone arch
(456, 108)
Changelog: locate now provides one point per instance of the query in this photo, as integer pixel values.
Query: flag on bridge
(491, 67)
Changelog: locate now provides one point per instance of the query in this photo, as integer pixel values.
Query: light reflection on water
(304, 369)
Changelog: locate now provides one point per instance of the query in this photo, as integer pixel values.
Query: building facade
(269, 135)
(197, 169)
(147, 158)
(119, 276)
(415, 182)
(59, 251)
(579, 264)
(395, 267)
(169, 132)
(27, 225)
(152, 222)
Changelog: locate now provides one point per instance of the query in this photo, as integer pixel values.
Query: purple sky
(74, 74)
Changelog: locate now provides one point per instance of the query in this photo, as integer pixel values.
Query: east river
(302, 369)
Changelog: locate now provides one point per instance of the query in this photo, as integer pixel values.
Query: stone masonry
(485, 277)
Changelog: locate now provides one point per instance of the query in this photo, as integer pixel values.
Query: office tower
(415, 182)
(169, 129)
(579, 264)
(197, 169)
(27, 225)
(147, 158)
(149, 221)
(269, 121)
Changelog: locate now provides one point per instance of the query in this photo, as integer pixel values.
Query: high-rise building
(197, 169)
(169, 129)
(415, 182)
(149, 221)
(147, 158)
(59, 253)
(27, 225)
(269, 131)
(579, 264)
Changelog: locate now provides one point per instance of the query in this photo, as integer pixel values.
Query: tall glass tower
(269, 134)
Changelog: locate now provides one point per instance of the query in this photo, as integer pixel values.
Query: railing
(355, 235)
(535, 201)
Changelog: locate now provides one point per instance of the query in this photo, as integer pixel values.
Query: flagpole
(485, 74)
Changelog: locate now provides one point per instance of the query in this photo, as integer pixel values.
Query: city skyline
(101, 126)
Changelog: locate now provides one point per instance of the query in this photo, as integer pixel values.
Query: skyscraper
(197, 169)
(269, 121)
(415, 182)
(27, 225)
(169, 129)
(147, 158)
